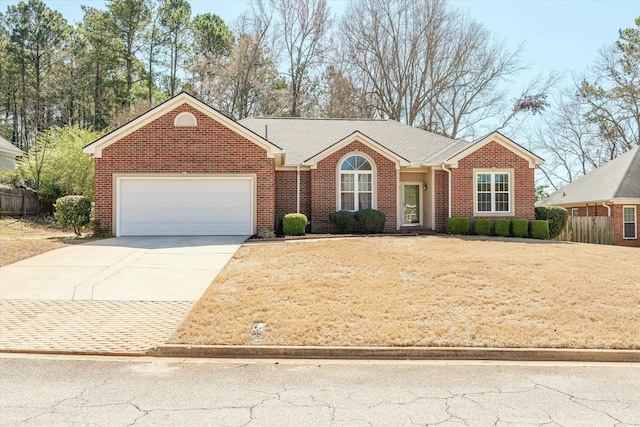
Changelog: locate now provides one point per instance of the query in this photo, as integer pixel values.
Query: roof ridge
(319, 118)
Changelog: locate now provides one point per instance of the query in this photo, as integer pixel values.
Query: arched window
(356, 184)
(186, 120)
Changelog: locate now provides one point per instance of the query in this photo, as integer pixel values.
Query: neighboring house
(613, 190)
(184, 168)
(8, 154)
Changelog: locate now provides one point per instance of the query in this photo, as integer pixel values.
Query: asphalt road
(46, 391)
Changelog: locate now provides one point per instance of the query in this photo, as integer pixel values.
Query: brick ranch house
(611, 190)
(184, 168)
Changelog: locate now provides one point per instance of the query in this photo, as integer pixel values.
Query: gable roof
(498, 138)
(304, 139)
(356, 136)
(96, 147)
(617, 179)
(9, 149)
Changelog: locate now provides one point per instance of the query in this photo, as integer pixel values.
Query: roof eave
(95, 148)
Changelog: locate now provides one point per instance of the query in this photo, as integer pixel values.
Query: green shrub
(501, 227)
(539, 229)
(482, 226)
(519, 228)
(370, 220)
(457, 225)
(294, 224)
(556, 216)
(73, 211)
(344, 221)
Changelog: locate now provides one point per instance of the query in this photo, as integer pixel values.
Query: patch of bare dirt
(22, 238)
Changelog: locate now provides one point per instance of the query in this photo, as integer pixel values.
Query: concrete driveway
(122, 269)
(116, 296)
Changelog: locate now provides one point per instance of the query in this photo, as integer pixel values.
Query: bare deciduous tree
(246, 82)
(427, 65)
(301, 31)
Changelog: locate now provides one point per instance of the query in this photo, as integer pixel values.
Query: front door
(411, 204)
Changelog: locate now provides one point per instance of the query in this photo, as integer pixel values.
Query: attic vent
(185, 120)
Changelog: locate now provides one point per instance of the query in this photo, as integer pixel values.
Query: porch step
(417, 231)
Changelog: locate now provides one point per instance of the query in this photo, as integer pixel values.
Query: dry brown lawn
(423, 291)
(24, 238)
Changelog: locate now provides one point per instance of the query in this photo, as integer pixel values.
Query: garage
(170, 206)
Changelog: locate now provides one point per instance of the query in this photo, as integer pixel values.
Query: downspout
(449, 184)
(298, 189)
(608, 208)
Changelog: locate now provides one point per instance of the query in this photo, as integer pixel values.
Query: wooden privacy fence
(588, 229)
(18, 202)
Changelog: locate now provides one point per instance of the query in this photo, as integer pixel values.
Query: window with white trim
(493, 192)
(574, 212)
(629, 224)
(356, 184)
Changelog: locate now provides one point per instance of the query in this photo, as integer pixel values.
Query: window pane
(502, 202)
(629, 230)
(484, 182)
(364, 201)
(484, 202)
(362, 163)
(347, 202)
(629, 214)
(502, 182)
(347, 182)
(355, 163)
(348, 164)
(364, 182)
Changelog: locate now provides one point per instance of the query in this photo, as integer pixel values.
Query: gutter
(449, 191)
(298, 189)
(608, 208)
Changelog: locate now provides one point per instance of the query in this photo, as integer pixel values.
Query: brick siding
(159, 147)
(324, 184)
(286, 198)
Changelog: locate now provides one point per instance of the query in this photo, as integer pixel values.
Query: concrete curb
(396, 353)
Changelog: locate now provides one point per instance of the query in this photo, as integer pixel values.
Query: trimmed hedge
(539, 229)
(556, 216)
(501, 227)
(343, 220)
(73, 211)
(482, 226)
(457, 225)
(519, 228)
(294, 224)
(370, 220)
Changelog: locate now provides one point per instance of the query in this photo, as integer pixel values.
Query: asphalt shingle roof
(618, 178)
(303, 138)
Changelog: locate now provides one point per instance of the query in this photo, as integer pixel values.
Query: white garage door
(184, 206)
